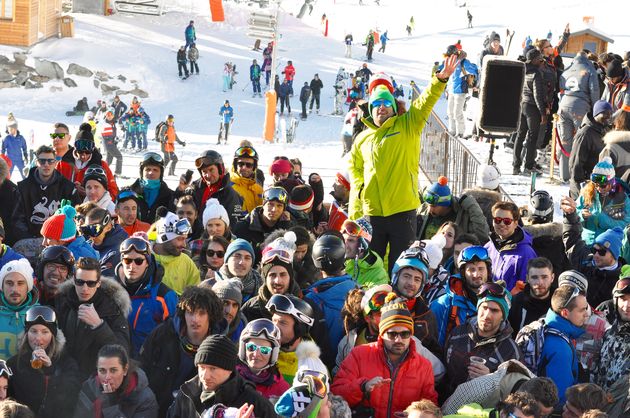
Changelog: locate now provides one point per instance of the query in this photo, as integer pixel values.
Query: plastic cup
(477, 360)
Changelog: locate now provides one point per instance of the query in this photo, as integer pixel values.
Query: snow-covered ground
(143, 49)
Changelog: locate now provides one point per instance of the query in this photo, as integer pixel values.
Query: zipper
(391, 385)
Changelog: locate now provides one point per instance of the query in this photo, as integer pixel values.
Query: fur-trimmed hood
(60, 340)
(479, 193)
(616, 137)
(551, 230)
(110, 290)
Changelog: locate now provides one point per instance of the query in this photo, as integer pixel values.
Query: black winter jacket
(112, 304)
(316, 86)
(165, 198)
(9, 196)
(588, 142)
(37, 202)
(525, 309)
(254, 230)
(233, 393)
(534, 89)
(227, 196)
(547, 242)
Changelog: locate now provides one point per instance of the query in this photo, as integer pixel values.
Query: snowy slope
(143, 48)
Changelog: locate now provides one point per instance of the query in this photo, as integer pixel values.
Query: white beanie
(165, 226)
(214, 210)
(488, 177)
(434, 247)
(21, 266)
(308, 356)
(605, 167)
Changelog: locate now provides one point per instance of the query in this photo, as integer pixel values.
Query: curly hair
(196, 297)
(351, 313)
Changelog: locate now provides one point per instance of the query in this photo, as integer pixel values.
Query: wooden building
(589, 38)
(26, 22)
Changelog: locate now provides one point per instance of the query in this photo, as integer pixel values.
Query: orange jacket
(411, 381)
(137, 226)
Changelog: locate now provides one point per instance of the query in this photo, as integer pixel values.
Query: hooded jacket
(165, 197)
(151, 304)
(485, 198)
(617, 147)
(617, 94)
(15, 147)
(232, 393)
(226, 195)
(384, 160)
(79, 247)
(468, 216)
(607, 211)
(510, 256)
(579, 82)
(559, 360)
(38, 202)
(526, 309)
(453, 308)
(132, 399)
(465, 341)
(368, 271)
(411, 380)
(12, 322)
(180, 271)
(547, 242)
(600, 282)
(588, 143)
(109, 249)
(50, 392)
(248, 189)
(112, 304)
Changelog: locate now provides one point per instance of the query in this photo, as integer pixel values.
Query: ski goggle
(284, 305)
(433, 198)
(246, 152)
(382, 102)
(302, 373)
(600, 179)
(94, 230)
(375, 303)
(497, 291)
(202, 162)
(40, 313)
(60, 135)
(181, 227)
(5, 370)
(280, 254)
(262, 328)
(276, 193)
(83, 145)
(135, 244)
(622, 287)
(415, 253)
(252, 348)
(128, 194)
(95, 171)
(353, 229)
(57, 254)
(473, 253)
(152, 157)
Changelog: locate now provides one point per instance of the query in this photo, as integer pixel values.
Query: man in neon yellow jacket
(384, 164)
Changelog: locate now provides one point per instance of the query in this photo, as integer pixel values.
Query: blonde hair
(425, 405)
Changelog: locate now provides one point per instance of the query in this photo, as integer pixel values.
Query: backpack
(157, 130)
(531, 339)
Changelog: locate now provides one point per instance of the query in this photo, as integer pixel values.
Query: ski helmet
(381, 79)
(264, 329)
(245, 152)
(451, 50)
(415, 258)
(208, 158)
(152, 158)
(329, 253)
(542, 207)
(57, 254)
(622, 287)
(301, 311)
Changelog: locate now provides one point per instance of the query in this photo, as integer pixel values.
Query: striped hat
(606, 168)
(61, 226)
(394, 313)
(302, 197)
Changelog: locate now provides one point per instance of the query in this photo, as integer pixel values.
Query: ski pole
(246, 85)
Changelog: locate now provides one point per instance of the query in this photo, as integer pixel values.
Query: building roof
(595, 32)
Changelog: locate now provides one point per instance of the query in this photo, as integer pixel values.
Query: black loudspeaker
(502, 83)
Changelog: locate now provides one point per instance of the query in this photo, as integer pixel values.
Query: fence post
(446, 139)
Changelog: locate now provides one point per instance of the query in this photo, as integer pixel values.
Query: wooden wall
(29, 21)
(576, 44)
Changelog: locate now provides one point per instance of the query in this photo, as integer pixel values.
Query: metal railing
(444, 155)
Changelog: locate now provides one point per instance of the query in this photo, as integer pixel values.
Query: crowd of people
(240, 295)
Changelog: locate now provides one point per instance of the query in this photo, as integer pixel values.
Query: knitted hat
(165, 226)
(504, 302)
(605, 167)
(97, 173)
(85, 133)
(488, 177)
(533, 54)
(11, 121)
(218, 351)
(229, 289)
(601, 106)
(280, 166)
(302, 197)
(237, 245)
(214, 210)
(21, 266)
(441, 190)
(382, 92)
(343, 178)
(573, 278)
(279, 253)
(611, 240)
(614, 69)
(433, 248)
(308, 356)
(495, 37)
(61, 225)
(394, 313)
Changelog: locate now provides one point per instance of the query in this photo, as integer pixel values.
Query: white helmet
(264, 329)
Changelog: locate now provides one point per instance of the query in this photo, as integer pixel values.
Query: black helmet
(210, 157)
(542, 207)
(152, 158)
(245, 152)
(329, 253)
(55, 254)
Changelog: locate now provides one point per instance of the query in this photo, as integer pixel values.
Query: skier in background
(348, 41)
(254, 77)
(469, 19)
(167, 136)
(267, 62)
(193, 57)
(227, 116)
(305, 94)
(384, 39)
(190, 34)
(14, 147)
(181, 62)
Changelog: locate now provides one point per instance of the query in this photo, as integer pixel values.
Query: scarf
(150, 188)
(251, 282)
(210, 190)
(265, 377)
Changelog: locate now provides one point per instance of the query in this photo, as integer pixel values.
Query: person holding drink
(45, 377)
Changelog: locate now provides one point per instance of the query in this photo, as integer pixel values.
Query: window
(6, 9)
(591, 46)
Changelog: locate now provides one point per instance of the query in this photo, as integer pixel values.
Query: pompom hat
(605, 167)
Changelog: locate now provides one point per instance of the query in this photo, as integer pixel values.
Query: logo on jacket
(43, 210)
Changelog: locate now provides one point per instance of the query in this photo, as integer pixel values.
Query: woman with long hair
(212, 256)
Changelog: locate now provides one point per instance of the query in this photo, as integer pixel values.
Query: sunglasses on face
(89, 283)
(251, 347)
(506, 221)
(136, 261)
(212, 253)
(382, 102)
(402, 334)
(600, 251)
(46, 161)
(244, 164)
(54, 135)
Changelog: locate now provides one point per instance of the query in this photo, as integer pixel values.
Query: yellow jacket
(180, 272)
(250, 191)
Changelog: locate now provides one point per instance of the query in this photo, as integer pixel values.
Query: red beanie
(280, 166)
(60, 226)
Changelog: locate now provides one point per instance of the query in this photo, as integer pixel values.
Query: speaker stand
(493, 146)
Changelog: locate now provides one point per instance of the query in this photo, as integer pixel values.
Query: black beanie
(614, 69)
(218, 351)
(85, 133)
(276, 262)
